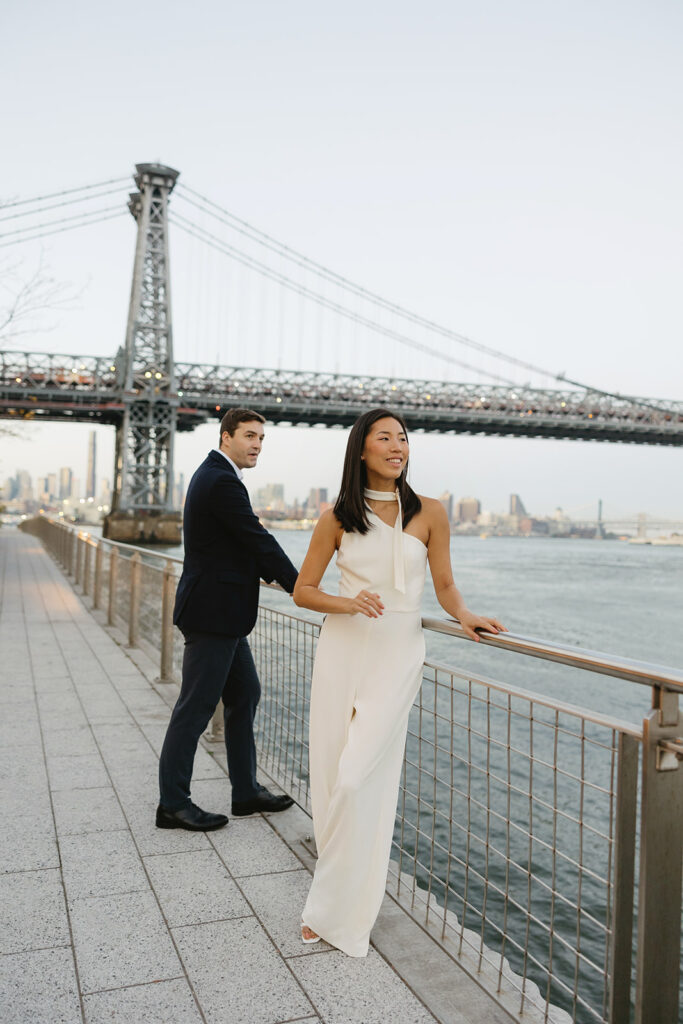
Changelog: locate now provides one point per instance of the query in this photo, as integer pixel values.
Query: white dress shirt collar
(236, 468)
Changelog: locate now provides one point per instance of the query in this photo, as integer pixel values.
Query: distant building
(24, 485)
(105, 493)
(517, 506)
(65, 483)
(467, 510)
(43, 490)
(90, 478)
(179, 491)
(446, 500)
(316, 498)
(272, 496)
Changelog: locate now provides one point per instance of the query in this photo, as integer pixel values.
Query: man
(227, 551)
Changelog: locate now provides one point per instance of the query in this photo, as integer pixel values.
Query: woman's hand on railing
(471, 622)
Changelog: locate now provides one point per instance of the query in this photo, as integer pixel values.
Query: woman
(368, 670)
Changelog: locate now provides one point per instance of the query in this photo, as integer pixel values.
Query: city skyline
(64, 483)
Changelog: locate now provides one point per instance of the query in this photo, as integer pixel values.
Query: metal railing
(523, 821)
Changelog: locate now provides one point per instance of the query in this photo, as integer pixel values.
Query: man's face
(245, 444)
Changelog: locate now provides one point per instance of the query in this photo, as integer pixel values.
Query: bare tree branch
(25, 301)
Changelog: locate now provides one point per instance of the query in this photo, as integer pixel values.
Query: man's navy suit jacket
(227, 552)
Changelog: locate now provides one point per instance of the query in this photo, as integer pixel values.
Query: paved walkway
(105, 917)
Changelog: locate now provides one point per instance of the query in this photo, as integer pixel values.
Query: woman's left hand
(471, 622)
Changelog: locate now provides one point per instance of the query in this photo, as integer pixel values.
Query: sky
(511, 171)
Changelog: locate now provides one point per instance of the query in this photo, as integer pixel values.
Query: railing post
(86, 565)
(661, 850)
(113, 581)
(624, 878)
(167, 597)
(78, 574)
(134, 617)
(97, 590)
(69, 551)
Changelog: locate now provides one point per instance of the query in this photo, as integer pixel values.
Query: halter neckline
(399, 563)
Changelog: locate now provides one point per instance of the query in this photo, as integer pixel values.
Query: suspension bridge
(318, 321)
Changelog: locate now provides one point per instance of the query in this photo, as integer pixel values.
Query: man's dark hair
(233, 417)
(351, 507)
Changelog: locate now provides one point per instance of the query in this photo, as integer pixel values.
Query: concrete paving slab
(150, 839)
(21, 850)
(238, 975)
(16, 766)
(250, 847)
(25, 805)
(121, 940)
(24, 732)
(214, 795)
(57, 721)
(278, 901)
(58, 703)
(54, 685)
(76, 771)
(195, 887)
(99, 706)
(166, 1002)
(77, 739)
(345, 990)
(32, 911)
(39, 988)
(80, 811)
(101, 864)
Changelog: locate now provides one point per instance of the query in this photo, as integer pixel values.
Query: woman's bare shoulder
(432, 507)
(328, 524)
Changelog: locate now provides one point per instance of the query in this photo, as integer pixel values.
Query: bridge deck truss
(90, 388)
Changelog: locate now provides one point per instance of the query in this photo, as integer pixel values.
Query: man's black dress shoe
(193, 818)
(263, 802)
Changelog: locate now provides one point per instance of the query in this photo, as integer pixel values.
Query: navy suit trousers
(215, 667)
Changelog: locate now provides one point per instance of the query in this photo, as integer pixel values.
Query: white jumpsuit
(366, 675)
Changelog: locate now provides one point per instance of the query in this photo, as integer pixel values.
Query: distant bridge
(92, 388)
(147, 395)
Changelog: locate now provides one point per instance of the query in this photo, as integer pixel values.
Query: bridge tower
(142, 504)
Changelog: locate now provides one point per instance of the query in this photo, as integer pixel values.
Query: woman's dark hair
(350, 508)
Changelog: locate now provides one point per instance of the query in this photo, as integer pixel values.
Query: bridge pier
(143, 527)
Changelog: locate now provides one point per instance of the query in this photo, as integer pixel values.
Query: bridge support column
(142, 506)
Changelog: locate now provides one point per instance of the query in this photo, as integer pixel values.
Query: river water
(611, 596)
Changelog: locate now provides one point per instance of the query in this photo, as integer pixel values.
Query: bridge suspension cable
(229, 219)
(64, 192)
(54, 206)
(191, 228)
(32, 232)
(225, 217)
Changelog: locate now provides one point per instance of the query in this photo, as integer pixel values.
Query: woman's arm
(307, 592)
(448, 595)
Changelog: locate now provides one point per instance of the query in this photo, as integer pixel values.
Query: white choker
(399, 563)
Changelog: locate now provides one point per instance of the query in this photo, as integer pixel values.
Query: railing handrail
(642, 672)
(632, 671)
